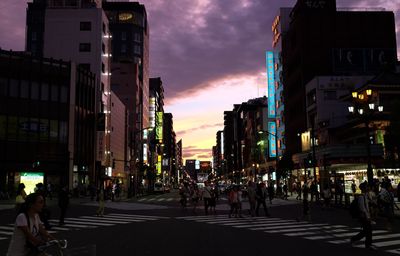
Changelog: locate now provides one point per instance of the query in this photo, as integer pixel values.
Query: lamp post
(365, 108)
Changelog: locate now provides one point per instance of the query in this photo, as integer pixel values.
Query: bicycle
(53, 248)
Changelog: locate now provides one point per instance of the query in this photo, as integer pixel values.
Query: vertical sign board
(159, 126)
(222, 145)
(271, 84)
(159, 160)
(272, 139)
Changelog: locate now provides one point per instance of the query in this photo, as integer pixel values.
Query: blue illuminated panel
(271, 84)
(272, 139)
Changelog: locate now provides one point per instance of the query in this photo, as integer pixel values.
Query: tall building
(169, 149)
(179, 161)
(47, 131)
(130, 57)
(275, 76)
(80, 29)
(322, 40)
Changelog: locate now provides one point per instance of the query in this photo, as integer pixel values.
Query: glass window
(84, 47)
(44, 92)
(43, 127)
(12, 129)
(123, 48)
(103, 47)
(53, 130)
(330, 95)
(24, 89)
(137, 49)
(3, 126)
(34, 36)
(14, 84)
(54, 93)
(23, 128)
(3, 87)
(64, 94)
(63, 131)
(85, 66)
(85, 26)
(137, 37)
(103, 68)
(35, 91)
(123, 36)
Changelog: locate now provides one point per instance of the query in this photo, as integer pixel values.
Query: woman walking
(29, 231)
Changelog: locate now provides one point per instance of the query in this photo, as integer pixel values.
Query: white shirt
(17, 244)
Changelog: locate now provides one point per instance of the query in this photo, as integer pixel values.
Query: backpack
(354, 209)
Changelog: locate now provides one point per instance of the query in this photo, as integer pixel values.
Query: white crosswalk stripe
(334, 234)
(87, 222)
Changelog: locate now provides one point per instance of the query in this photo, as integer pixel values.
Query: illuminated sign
(197, 165)
(30, 179)
(222, 144)
(125, 16)
(159, 126)
(275, 31)
(272, 139)
(145, 153)
(271, 84)
(159, 161)
(306, 141)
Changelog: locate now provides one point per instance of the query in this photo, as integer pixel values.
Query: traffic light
(113, 164)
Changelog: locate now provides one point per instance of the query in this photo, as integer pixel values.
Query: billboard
(271, 84)
(30, 179)
(272, 139)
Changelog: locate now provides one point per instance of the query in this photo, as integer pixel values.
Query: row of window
(16, 128)
(25, 89)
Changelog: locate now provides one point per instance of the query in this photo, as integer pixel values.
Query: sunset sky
(210, 54)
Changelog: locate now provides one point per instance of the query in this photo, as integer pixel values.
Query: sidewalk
(10, 203)
(396, 211)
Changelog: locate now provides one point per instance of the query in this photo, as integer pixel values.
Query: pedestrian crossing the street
(86, 222)
(323, 232)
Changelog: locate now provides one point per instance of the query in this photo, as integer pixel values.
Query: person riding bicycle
(29, 231)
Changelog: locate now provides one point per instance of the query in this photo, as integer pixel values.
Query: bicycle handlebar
(62, 244)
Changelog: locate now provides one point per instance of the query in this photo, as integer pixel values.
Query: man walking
(63, 202)
(364, 218)
(261, 193)
(206, 196)
(251, 194)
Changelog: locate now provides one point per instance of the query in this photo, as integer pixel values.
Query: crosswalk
(86, 222)
(324, 232)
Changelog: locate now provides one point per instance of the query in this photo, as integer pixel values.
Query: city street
(156, 225)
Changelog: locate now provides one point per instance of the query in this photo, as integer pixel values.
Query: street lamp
(365, 108)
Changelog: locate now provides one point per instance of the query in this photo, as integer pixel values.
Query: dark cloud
(182, 132)
(194, 41)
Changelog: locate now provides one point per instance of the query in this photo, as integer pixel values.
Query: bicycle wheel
(54, 251)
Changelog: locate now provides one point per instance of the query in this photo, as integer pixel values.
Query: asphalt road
(156, 225)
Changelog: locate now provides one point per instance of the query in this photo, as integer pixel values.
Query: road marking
(395, 251)
(277, 225)
(107, 220)
(6, 233)
(7, 228)
(260, 224)
(138, 216)
(88, 221)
